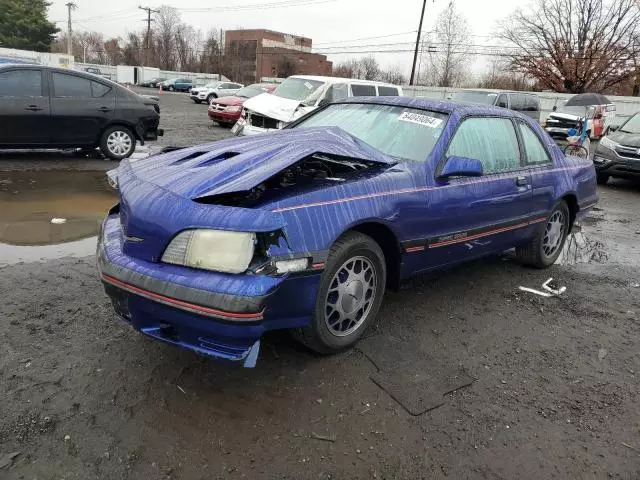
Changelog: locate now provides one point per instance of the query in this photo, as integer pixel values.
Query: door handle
(33, 108)
(104, 109)
(521, 181)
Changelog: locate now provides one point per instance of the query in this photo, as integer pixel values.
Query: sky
(337, 27)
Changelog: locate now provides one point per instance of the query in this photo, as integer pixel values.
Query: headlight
(234, 108)
(217, 250)
(112, 177)
(606, 142)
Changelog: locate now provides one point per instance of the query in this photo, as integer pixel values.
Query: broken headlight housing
(215, 250)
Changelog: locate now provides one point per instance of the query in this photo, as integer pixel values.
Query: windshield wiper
(624, 131)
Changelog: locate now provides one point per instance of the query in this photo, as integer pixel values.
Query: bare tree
(165, 32)
(447, 62)
(369, 68)
(575, 45)
(393, 74)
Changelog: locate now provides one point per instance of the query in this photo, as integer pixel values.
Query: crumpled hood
(564, 116)
(273, 106)
(242, 163)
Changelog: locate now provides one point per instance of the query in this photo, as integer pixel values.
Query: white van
(300, 94)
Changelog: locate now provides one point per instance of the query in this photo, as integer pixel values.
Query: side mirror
(461, 167)
(613, 128)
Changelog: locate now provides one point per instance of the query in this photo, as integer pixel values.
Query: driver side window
(502, 101)
(493, 141)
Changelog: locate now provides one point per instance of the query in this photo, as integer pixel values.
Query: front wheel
(545, 247)
(602, 178)
(171, 89)
(349, 297)
(211, 97)
(117, 143)
(197, 101)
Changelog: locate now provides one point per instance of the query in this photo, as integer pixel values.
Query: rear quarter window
(363, 90)
(387, 91)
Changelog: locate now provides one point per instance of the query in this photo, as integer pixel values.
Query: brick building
(253, 54)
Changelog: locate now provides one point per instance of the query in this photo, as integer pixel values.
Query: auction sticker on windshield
(420, 119)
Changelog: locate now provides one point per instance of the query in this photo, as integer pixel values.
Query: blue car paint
(436, 223)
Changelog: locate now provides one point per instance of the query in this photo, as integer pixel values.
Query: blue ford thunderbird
(304, 229)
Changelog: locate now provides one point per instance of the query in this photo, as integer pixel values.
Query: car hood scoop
(239, 164)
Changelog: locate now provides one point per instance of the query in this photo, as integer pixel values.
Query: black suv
(43, 107)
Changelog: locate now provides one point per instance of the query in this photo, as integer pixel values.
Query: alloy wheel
(351, 295)
(554, 233)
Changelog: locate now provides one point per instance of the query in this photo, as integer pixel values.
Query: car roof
(492, 90)
(79, 73)
(341, 79)
(443, 106)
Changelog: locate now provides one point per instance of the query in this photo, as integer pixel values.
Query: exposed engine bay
(315, 170)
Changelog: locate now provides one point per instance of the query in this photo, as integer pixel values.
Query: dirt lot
(552, 382)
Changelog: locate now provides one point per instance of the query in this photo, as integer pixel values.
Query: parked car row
(214, 90)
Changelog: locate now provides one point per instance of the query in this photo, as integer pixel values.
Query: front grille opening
(261, 121)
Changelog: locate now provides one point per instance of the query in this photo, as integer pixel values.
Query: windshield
(400, 132)
(299, 89)
(475, 97)
(632, 125)
(250, 91)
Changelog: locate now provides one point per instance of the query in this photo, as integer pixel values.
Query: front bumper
(198, 96)
(608, 162)
(219, 315)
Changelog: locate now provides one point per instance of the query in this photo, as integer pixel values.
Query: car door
(25, 112)
(226, 89)
(471, 217)
(539, 162)
(81, 108)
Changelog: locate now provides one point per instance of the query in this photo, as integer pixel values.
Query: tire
(536, 253)
(211, 97)
(354, 255)
(197, 101)
(171, 89)
(117, 142)
(602, 178)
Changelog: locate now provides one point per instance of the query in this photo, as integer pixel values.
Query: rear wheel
(117, 142)
(549, 239)
(351, 291)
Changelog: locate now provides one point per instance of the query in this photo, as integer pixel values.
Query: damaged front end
(196, 255)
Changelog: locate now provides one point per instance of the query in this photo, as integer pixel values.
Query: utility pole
(220, 56)
(70, 6)
(415, 54)
(148, 20)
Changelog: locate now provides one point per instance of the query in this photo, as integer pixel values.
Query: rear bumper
(199, 310)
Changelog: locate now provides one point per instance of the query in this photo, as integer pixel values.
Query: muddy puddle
(582, 248)
(51, 214)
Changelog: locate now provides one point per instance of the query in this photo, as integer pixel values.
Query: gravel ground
(554, 391)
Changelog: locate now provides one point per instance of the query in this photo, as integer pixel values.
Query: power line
(367, 38)
(149, 20)
(256, 6)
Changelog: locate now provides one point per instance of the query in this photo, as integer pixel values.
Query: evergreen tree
(24, 25)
